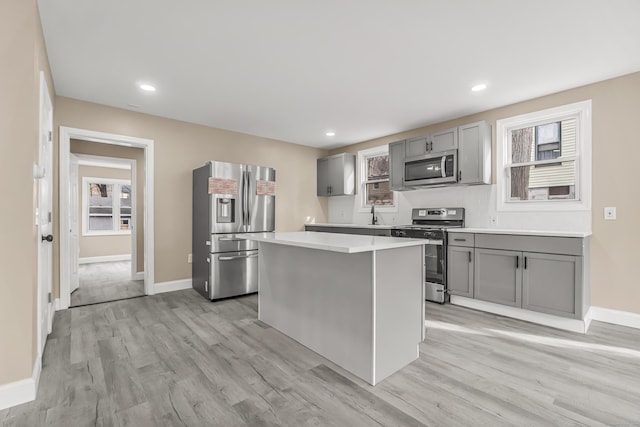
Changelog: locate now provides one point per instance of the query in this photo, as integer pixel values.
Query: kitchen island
(356, 300)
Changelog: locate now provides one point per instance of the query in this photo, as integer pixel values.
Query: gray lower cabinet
(551, 283)
(460, 262)
(520, 271)
(498, 276)
(349, 230)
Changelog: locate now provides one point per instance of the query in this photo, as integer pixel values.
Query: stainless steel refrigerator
(229, 201)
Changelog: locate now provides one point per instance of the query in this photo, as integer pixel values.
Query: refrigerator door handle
(231, 258)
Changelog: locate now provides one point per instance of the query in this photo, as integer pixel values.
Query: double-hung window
(374, 180)
(106, 205)
(544, 159)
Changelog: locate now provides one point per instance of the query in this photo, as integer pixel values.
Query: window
(545, 159)
(374, 179)
(106, 206)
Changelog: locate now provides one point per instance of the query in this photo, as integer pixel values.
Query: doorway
(104, 226)
(70, 190)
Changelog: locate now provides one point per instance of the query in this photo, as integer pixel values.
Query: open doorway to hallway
(105, 194)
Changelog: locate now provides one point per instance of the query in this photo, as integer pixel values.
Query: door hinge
(50, 135)
(49, 297)
(49, 217)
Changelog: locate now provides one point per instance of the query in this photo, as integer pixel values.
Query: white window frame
(581, 111)
(116, 210)
(363, 155)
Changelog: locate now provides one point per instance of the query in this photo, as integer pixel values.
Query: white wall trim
(616, 317)
(64, 139)
(106, 258)
(573, 325)
(21, 391)
(174, 285)
(139, 275)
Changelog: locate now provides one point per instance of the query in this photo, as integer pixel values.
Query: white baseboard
(108, 258)
(175, 285)
(617, 317)
(22, 391)
(138, 276)
(574, 325)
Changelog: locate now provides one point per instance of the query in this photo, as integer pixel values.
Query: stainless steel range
(432, 224)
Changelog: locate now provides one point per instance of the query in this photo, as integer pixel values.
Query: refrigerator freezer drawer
(231, 243)
(233, 273)
(434, 292)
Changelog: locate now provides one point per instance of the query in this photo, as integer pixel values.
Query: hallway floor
(106, 281)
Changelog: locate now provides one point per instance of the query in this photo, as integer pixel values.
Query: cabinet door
(323, 177)
(460, 271)
(550, 283)
(474, 155)
(444, 140)
(396, 165)
(498, 276)
(336, 176)
(417, 146)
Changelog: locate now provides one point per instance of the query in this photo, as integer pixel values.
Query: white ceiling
(295, 69)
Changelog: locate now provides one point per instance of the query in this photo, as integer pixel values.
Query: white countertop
(353, 225)
(521, 232)
(336, 242)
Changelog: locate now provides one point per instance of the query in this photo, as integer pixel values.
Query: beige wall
(179, 148)
(616, 148)
(136, 154)
(99, 246)
(22, 57)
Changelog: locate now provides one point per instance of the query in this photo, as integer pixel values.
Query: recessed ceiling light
(330, 134)
(478, 88)
(147, 87)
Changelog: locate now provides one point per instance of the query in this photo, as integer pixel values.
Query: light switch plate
(189, 258)
(493, 220)
(610, 213)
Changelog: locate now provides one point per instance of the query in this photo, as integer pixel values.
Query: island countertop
(346, 243)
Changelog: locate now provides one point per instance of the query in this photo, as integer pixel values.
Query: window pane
(100, 207)
(378, 193)
(556, 181)
(544, 142)
(378, 167)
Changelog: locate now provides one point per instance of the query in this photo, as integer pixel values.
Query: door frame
(65, 136)
(120, 163)
(42, 172)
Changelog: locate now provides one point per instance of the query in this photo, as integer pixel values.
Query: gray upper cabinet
(417, 146)
(443, 140)
(432, 143)
(336, 175)
(498, 276)
(396, 166)
(474, 154)
(460, 262)
(551, 283)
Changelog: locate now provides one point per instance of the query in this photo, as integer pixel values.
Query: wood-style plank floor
(105, 281)
(176, 359)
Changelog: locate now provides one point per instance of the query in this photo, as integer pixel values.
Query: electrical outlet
(493, 220)
(190, 258)
(610, 213)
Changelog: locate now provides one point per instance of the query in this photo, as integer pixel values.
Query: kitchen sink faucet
(374, 218)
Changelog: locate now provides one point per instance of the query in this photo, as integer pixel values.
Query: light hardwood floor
(105, 281)
(177, 359)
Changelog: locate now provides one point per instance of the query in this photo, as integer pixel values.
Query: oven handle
(435, 242)
(230, 258)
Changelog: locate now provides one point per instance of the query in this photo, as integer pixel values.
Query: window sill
(386, 209)
(106, 233)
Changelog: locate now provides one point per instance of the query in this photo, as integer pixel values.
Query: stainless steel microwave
(433, 168)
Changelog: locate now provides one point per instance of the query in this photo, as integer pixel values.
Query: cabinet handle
(431, 146)
(460, 240)
(525, 263)
(459, 175)
(469, 256)
(517, 262)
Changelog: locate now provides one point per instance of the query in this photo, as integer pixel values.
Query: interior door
(74, 246)
(44, 218)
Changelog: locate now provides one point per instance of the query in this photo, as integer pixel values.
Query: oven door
(431, 169)
(434, 263)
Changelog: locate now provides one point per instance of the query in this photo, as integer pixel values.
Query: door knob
(48, 238)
